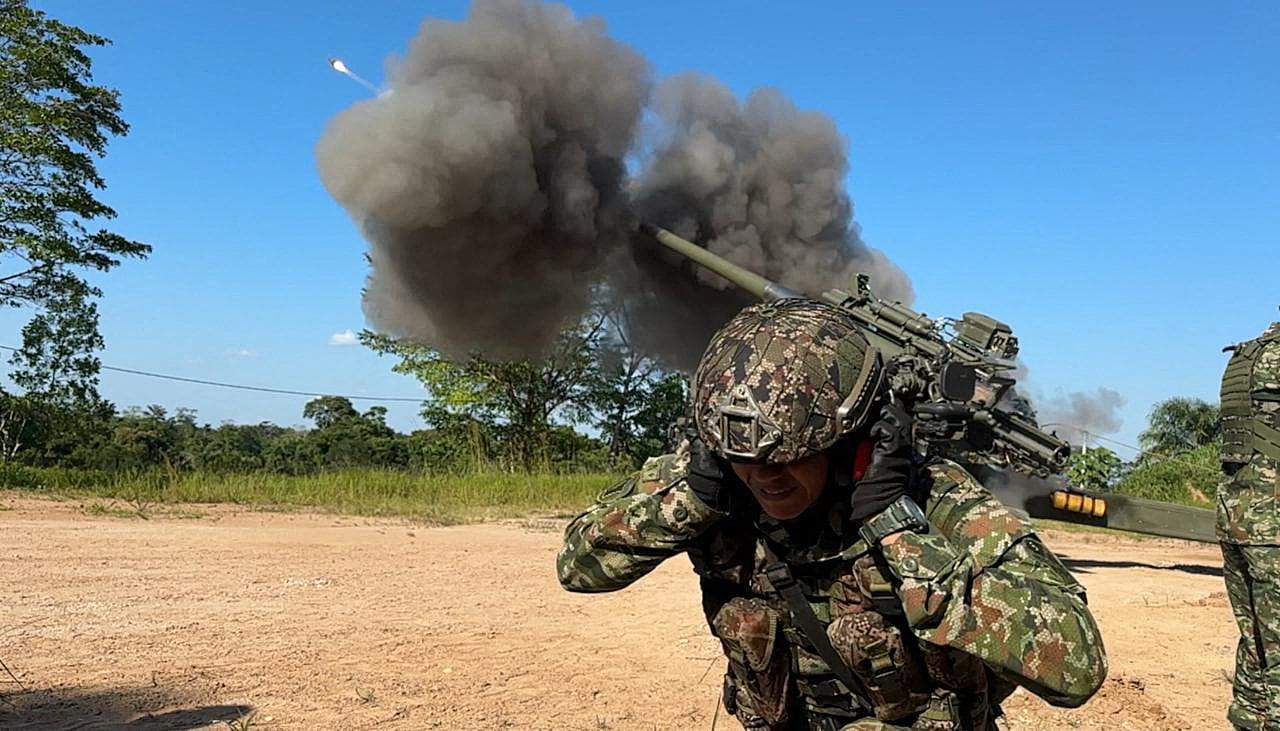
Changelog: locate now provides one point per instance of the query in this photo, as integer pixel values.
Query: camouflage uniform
(1249, 525)
(942, 625)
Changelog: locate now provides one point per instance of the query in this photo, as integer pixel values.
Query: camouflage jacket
(1247, 498)
(980, 584)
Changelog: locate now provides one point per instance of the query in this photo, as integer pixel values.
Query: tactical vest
(778, 680)
(1245, 428)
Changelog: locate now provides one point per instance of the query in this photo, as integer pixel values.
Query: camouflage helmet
(784, 380)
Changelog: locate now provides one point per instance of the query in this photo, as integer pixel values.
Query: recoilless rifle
(958, 377)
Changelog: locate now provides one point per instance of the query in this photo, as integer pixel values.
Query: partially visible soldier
(1249, 524)
(850, 585)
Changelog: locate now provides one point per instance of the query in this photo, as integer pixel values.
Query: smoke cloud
(760, 183)
(492, 185)
(488, 182)
(1079, 412)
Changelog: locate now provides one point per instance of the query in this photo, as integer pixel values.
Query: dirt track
(317, 622)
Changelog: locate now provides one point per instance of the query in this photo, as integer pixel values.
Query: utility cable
(243, 387)
(405, 399)
(1153, 455)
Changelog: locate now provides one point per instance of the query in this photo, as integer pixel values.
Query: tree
(519, 397)
(56, 365)
(329, 410)
(634, 400)
(53, 122)
(666, 400)
(1094, 470)
(635, 403)
(144, 438)
(1180, 424)
(58, 370)
(292, 453)
(346, 438)
(618, 392)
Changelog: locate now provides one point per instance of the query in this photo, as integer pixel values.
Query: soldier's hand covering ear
(888, 477)
(708, 477)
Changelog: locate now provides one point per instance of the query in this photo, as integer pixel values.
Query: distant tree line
(527, 415)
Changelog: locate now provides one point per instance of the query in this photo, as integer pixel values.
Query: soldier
(850, 585)
(1249, 526)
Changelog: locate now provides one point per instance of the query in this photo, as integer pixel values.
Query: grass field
(436, 498)
(443, 498)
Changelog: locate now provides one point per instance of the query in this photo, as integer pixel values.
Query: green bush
(1189, 478)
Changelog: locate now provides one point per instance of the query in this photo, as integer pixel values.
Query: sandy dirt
(319, 622)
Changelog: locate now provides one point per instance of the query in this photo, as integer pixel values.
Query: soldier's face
(787, 490)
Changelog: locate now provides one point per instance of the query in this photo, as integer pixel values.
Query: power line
(405, 399)
(1153, 455)
(243, 387)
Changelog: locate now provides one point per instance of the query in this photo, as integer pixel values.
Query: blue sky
(1102, 176)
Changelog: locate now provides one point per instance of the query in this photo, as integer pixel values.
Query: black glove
(709, 477)
(888, 477)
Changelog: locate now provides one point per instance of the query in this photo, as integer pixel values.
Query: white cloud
(241, 352)
(346, 337)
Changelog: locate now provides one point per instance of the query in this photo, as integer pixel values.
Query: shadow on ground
(1083, 565)
(137, 709)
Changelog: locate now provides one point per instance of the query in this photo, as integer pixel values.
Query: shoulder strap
(784, 582)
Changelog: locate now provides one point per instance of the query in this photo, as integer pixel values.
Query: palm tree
(1179, 424)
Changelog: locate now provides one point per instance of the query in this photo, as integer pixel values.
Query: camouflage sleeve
(985, 584)
(1266, 370)
(634, 526)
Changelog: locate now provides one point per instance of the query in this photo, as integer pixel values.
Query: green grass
(435, 498)
(1190, 478)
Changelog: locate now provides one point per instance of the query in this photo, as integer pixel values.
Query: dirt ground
(265, 620)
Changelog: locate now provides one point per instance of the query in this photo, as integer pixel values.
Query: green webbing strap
(783, 582)
(1266, 439)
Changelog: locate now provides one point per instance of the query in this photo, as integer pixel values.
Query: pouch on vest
(1246, 427)
(750, 630)
(873, 647)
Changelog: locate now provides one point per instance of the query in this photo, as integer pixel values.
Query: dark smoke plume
(488, 181)
(492, 188)
(760, 183)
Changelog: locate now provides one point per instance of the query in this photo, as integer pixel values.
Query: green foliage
(59, 479)
(53, 122)
(1179, 424)
(436, 497)
(56, 365)
(329, 410)
(515, 400)
(292, 453)
(1190, 477)
(519, 414)
(153, 440)
(1093, 470)
(634, 401)
(666, 400)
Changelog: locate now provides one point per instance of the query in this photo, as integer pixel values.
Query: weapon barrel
(756, 285)
(1054, 499)
(1044, 449)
